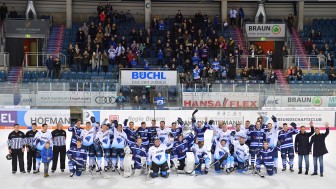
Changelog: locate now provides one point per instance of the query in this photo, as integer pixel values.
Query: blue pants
(254, 151)
(320, 158)
(269, 168)
(75, 168)
(241, 166)
(290, 153)
(227, 162)
(306, 158)
(91, 150)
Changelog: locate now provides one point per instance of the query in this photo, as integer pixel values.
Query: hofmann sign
(265, 30)
(148, 77)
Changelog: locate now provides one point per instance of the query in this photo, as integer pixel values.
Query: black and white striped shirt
(16, 140)
(59, 137)
(30, 137)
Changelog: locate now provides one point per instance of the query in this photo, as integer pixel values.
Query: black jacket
(318, 142)
(301, 144)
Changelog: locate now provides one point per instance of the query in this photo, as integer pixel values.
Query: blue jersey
(180, 149)
(131, 135)
(267, 156)
(152, 134)
(138, 153)
(257, 138)
(216, 66)
(286, 138)
(78, 154)
(189, 139)
(199, 132)
(176, 132)
(160, 102)
(144, 134)
(196, 73)
(76, 132)
(195, 59)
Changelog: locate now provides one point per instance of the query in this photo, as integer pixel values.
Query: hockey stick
(189, 173)
(256, 172)
(100, 172)
(194, 112)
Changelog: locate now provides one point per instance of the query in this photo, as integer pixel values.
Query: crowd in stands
(4, 12)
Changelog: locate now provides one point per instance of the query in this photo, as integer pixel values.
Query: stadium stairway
(239, 37)
(56, 39)
(300, 49)
(282, 81)
(13, 74)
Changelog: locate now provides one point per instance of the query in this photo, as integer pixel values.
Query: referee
(16, 147)
(59, 139)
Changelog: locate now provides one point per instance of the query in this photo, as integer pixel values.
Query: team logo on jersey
(105, 141)
(87, 138)
(182, 146)
(162, 139)
(42, 142)
(221, 154)
(158, 157)
(119, 140)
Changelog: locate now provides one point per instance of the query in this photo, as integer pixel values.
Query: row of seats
(311, 82)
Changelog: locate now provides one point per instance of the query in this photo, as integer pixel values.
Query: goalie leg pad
(127, 165)
(189, 162)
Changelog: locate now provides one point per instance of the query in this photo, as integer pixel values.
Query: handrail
(297, 58)
(44, 57)
(5, 59)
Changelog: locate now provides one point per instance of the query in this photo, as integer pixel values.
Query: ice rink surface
(282, 180)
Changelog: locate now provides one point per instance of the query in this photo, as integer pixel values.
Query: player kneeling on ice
(179, 153)
(201, 157)
(157, 160)
(137, 160)
(77, 158)
(266, 157)
(222, 157)
(241, 154)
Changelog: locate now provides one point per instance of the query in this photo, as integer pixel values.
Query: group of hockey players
(159, 150)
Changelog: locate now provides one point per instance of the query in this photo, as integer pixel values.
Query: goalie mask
(186, 129)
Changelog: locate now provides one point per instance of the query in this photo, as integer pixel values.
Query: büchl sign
(148, 77)
(265, 30)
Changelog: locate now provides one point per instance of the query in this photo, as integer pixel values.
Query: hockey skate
(291, 168)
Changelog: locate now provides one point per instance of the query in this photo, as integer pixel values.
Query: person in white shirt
(233, 15)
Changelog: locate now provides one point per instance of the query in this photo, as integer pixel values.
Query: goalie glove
(193, 120)
(211, 122)
(115, 123)
(125, 122)
(293, 124)
(93, 119)
(274, 118)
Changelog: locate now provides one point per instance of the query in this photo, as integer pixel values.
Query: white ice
(282, 180)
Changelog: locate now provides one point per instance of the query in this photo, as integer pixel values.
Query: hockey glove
(125, 122)
(193, 120)
(274, 118)
(179, 121)
(293, 124)
(222, 159)
(115, 123)
(211, 122)
(233, 133)
(93, 119)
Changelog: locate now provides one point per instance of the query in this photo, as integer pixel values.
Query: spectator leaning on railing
(50, 66)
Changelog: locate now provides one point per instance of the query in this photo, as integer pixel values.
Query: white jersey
(233, 13)
(200, 153)
(104, 138)
(272, 136)
(163, 134)
(241, 152)
(220, 150)
(41, 138)
(215, 132)
(88, 136)
(226, 135)
(238, 134)
(158, 154)
(119, 140)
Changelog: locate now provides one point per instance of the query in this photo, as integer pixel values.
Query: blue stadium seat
(79, 75)
(65, 75)
(87, 76)
(42, 74)
(73, 75)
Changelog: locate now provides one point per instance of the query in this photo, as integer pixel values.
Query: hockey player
(31, 151)
(241, 154)
(266, 157)
(176, 131)
(118, 144)
(76, 132)
(163, 133)
(272, 139)
(179, 153)
(285, 138)
(152, 131)
(40, 139)
(224, 134)
(139, 156)
(201, 157)
(199, 129)
(222, 156)
(258, 137)
(77, 156)
(188, 136)
(87, 136)
(157, 160)
(262, 123)
(130, 132)
(104, 139)
(145, 135)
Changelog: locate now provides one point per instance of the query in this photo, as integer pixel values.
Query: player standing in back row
(286, 145)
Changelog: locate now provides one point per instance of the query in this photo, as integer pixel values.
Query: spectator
(80, 38)
(100, 9)
(179, 17)
(245, 73)
(241, 16)
(3, 12)
(160, 57)
(231, 70)
(57, 67)
(312, 34)
(331, 73)
(92, 31)
(319, 35)
(13, 13)
(136, 103)
(144, 102)
(224, 72)
(252, 73)
(112, 55)
(233, 15)
(326, 49)
(231, 45)
(71, 55)
(182, 78)
(134, 63)
(86, 61)
(272, 77)
(102, 17)
(216, 23)
(94, 62)
(283, 60)
(317, 142)
(260, 73)
(146, 67)
(290, 73)
(197, 74)
(105, 62)
(330, 60)
(85, 29)
(50, 66)
(129, 17)
(216, 67)
(314, 51)
(159, 101)
(78, 59)
(290, 22)
(270, 63)
(308, 44)
(321, 59)
(301, 146)
(120, 101)
(155, 24)
(167, 52)
(225, 25)
(114, 30)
